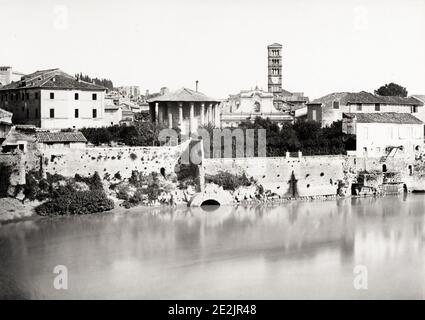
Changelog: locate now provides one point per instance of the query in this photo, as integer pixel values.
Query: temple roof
(183, 95)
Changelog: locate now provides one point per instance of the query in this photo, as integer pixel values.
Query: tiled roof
(59, 137)
(364, 97)
(384, 117)
(51, 79)
(184, 95)
(399, 100)
(420, 97)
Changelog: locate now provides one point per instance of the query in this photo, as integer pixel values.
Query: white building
(330, 108)
(52, 99)
(385, 134)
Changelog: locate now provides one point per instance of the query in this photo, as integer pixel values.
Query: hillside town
(226, 151)
(54, 124)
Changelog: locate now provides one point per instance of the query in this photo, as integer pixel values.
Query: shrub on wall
(229, 181)
(187, 174)
(94, 182)
(80, 202)
(133, 156)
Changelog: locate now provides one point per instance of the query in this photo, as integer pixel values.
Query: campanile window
(94, 96)
(52, 95)
(94, 113)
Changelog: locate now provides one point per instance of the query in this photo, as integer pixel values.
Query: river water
(297, 250)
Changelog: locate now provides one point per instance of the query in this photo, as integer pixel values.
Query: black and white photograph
(212, 151)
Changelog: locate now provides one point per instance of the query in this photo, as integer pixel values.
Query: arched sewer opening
(210, 205)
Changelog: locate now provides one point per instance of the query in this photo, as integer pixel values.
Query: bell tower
(275, 68)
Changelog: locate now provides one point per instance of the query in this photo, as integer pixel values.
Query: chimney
(197, 85)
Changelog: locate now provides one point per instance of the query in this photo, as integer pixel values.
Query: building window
(76, 113)
(76, 97)
(414, 109)
(36, 95)
(28, 113)
(335, 104)
(359, 107)
(94, 113)
(52, 113)
(27, 96)
(36, 112)
(257, 107)
(52, 95)
(377, 107)
(94, 96)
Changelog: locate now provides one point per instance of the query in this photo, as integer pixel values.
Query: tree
(392, 89)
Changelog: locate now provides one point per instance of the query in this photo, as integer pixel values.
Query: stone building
(249, 104)
(282, 99)
(330, 108)
(52, 99)
(421, 112)
(8, 75)
(386, 134)
(185, 109)
(5, 124)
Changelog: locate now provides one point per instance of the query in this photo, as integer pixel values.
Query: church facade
(249, 104)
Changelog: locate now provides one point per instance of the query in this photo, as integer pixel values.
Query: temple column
(181, 116)
(170, 118)
(210, 113)
(191, 117)
(202, 113)
(156, 112)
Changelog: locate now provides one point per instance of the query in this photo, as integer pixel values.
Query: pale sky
(328, 45)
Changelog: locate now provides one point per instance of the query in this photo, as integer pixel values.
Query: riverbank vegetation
(63, 196)
(145, 189)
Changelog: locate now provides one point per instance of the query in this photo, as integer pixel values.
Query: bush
(187, 174)
(78, 202)
(5, 172)
(133, 156)
(142, 133)
(94, 182)
(37, 188)
(229, 181)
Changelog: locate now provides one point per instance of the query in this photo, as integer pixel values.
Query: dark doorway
(210, 205)
(384, 168)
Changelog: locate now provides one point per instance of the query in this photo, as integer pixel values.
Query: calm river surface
(289, 251)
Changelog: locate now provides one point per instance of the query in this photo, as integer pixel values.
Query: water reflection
(293, 250)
